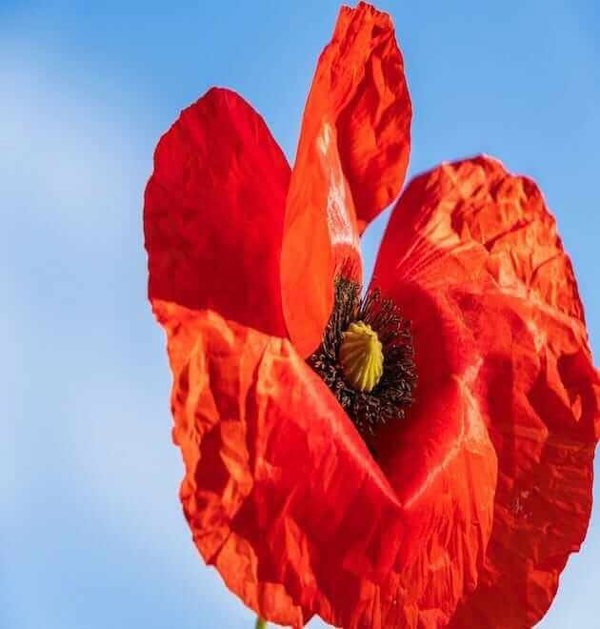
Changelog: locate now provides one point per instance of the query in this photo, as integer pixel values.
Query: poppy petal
(481, 243)
(283, 497)
(350, 164)
(444, 472)
(213, 213)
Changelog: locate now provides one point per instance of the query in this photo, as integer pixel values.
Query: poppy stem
(260, 623)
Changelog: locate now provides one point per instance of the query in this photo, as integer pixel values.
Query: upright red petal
(213, 213)
(283, 497)
(471, 244)
(351, 162)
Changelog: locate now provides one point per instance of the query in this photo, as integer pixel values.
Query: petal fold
(473, 257)
(350, 164)
(214, 210)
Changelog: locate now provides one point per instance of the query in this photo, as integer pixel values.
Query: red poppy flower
(421, 457)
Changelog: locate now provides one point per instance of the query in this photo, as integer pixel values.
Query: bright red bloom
(480, 493)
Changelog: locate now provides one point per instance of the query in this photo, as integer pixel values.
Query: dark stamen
(393, 393)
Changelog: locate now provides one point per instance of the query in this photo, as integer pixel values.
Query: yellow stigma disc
(361, 356)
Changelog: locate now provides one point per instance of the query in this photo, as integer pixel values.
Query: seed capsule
(361, 357)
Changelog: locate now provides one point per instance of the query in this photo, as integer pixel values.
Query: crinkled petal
(472, 256)
(213, 213)
(351, 162)
(443, 467)
(283, 497)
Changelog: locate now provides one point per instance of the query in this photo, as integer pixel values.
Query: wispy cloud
(89, 475)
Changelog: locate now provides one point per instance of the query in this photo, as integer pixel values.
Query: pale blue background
(90, 526)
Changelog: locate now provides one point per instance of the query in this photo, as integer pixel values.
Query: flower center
(366, 358)
(361, 356)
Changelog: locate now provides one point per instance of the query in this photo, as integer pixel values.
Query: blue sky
(91, 527)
